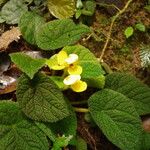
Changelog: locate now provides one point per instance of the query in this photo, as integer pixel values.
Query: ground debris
(8, 37)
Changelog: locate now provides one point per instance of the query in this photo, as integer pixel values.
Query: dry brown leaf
(8, 37)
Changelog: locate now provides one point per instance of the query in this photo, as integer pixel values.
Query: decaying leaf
(7, 84)
(8, 37)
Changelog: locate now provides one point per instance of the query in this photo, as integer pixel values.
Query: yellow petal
(53, 63)
(57, 67)
(61, 56)
(79, 86)
(71, 79)
(75, 69)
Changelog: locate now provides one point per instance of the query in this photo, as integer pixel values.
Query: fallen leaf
(7, 84)
(8, 37)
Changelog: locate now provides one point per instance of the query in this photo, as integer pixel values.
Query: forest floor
(122, 54)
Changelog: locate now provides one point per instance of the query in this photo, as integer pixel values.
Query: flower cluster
(70, 65)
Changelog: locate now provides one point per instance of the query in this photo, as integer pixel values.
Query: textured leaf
(27, 64)
(61, 141)
(146, 141)
(59, 82)
(59, 33)
(28, 24)
(89, 63)
(68, 126)
(97, 82)
(40, 99)
(138, 93)
(81, 144)
(89, 8)
(117, 117)
(62, 8)
(1, 18)
(12, 11)
(140, 27)
(42, 126)
(128, 32)
(18, 133)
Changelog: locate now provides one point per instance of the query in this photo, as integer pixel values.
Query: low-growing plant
(129, 31)
(43, 116)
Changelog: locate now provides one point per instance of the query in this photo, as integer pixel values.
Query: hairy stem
(111, 27)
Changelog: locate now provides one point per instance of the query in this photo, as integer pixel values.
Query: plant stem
(106, 67)
(79, 102)
(108, 5)
(81, 110)
(111, 27)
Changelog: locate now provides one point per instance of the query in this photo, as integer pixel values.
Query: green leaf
(89, 8)
(2, 2)
(40, 99)
(1, 18)
(97, 82)
(81, 144)
(147, 7)
(38, 2)
(42, 126)
(59, 82)
(146, 141)
(28, 1)
(117, 117)
(62, 8)
(61, 142)
(68, 126)
(78, 13)
(140, 27)
(12, 11)
(17, 132)
(90, 65)
(79, 4)
(137, 92)
(128, 32)
(59, 33)
(29, 23)
(27, 64)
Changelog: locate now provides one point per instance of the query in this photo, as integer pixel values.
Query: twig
(111, 26)
(108, 5)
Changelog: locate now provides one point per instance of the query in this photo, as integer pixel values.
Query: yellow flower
(57, 61)
(69, 62)
(75, 83)
(62, 61)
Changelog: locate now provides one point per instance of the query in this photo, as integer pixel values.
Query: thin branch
(108, 5)
(111, 27)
